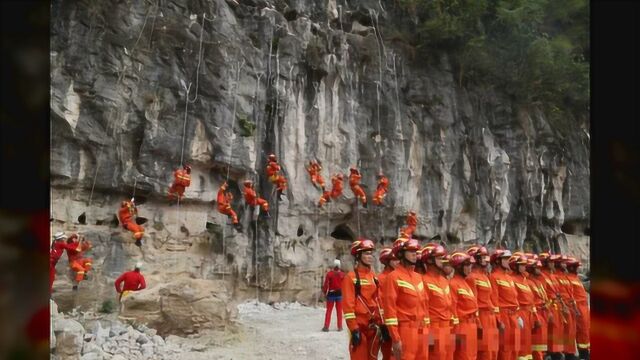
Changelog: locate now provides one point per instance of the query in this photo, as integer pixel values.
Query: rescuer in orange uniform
(182, 180)
(480, 284)
(583, 316)
(404, 301)
(361, 305)
(412, 223)
(273, 173)
(465, 308)
(337, 185)
(356, 188)
(324, 198)
(505, 296)
(127, 213)
(539, 335)
(423, 333)
(75, 248)
(224, 205)
(527, 311)
(390, 262)
(557, 310)
(57, 249)
(314, 169)
(381, 190)
(566, 292)
(252, 198)
(440, 302)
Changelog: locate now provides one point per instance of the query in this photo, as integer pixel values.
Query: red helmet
(571, 261)
(402, 244)
(500, 253)
(187, 167)
(353, 169)
(446, 259)
(459, 258)
(339, 176)
(477, 250)
(412, 212)
(248, 183)
(272, 156)
(544, 256)
(386, 255)
(361, 245)
(517, 259)
(432, 250)
(557, 258)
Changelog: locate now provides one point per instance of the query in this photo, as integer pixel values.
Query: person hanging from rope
(224, 205)
(361, 304)
(273, 174)
(127, 213)
(381, 191)
(356, 188)
(252, 198)
(314, 169)
(182, 180)
(57, 249)
(324, 198)
(337, 185)
(412, 223)
(76, 246)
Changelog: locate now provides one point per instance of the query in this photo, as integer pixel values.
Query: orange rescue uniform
(412, 224)
(324, 198)
(556, 318)
(566, 292)
(337, 187)
(404, 309)
(125, 214)
(381, 191)
(527, 312)
(273, 173)
(314, 172)
(488, 342)
(465, 312)
(440, 314)
(77, 263)
(354, 183)
(360, 312)
(506, 297)
(385, 348)
(252, 199)
(224, 205)
(182, 180)
(541, 301)
(583, 322)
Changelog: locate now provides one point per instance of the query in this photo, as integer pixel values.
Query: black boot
(583, 354)
(139, 243)
(238, 227)
(365, 204)
(556, 355)
(74, 288)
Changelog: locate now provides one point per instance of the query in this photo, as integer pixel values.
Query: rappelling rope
(199, 58)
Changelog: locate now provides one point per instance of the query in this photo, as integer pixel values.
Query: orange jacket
(505, 294)
(479, 282)
(126, 212)
(540, 298)
(338, 187)
(224, 199)
(440, 302)
(250, 196)
(566, 289)
(182, 177)
(524, 289)
(75, 250)
(382, 277)
(412, 220)
(354, 179)
(362, 310)
(272, 168)
(463, 300)
(579, 294)
(403, 300)
(551, 285)
(383, 183)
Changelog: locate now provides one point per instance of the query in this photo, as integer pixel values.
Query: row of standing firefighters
(428, 304)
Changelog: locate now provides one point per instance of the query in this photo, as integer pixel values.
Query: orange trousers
(359, 193)
(369, 345)
(262, 203)
(539, 336)
(176, 189)
(510, 337)
(279, 181)
(555, 328)
(137, 230)
(227, 210)
(423, 344)
(583, 324)
(488, 340)
(466, 335)
(570, 333)
(80, 267)
(317, 179)
(443, 340)
(409, 337)
(378, 196)
(525, 332)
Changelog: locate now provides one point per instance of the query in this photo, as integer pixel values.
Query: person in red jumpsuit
(128, 282)
(127, 213)
(412, 223)
(337, 185)
(57, 249)
(252, 198)
(332, 290)
(75, 248)
(273, 174)
(390, 263)
(314, 170)
(182, 180)
(381, 191)
(356, 188)
(224, 199)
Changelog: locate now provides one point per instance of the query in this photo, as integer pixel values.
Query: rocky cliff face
(137, 88)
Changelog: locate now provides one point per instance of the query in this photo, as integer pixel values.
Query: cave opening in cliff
(82, 219)
(343, 232)
(300, 230)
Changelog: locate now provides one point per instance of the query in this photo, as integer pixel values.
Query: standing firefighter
(582, 316)
(273, 174)
(465, 308)
(361, 304)
(557, 310)
(78, 264)
(566, 293)
(181, 180)
(506, 297)
(133, 281)
(356, 188)
(224, 205)
(440, 302)
(404, 302)
(127, 213)
(539, 330)
(480, 284)
(527, 311)
(390, 263)
(314, 169)
(381, 190)
(332, 289)
(412, 223)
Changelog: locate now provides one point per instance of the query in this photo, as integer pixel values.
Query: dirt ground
(282, 332)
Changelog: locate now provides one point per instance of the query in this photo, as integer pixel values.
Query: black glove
(384, 333)
(355, 338)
